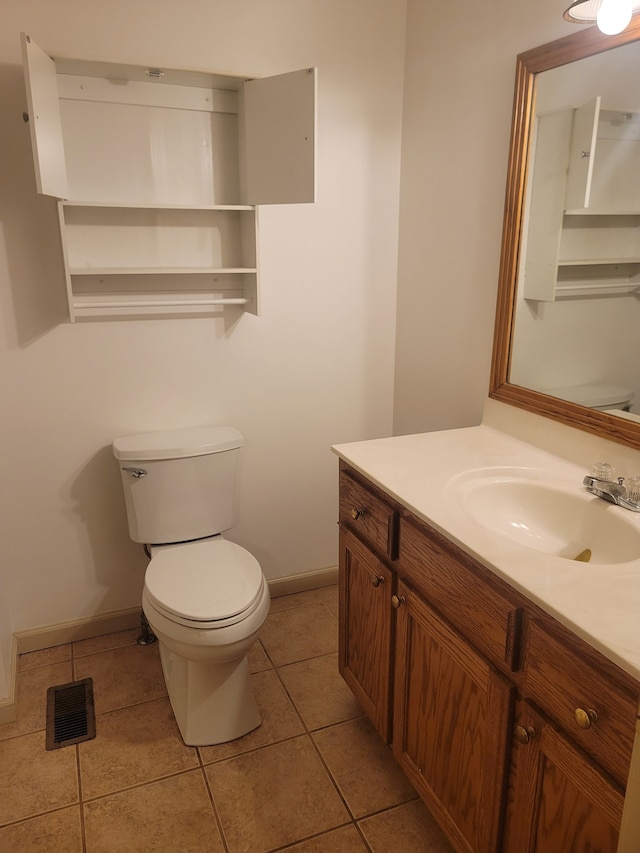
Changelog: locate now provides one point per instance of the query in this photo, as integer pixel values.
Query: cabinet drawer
(566, 687)
(368, 515)
(489, 620)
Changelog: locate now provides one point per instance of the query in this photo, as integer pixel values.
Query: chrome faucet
(603, 483)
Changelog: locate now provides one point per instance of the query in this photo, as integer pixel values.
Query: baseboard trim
(304, 582)
(80, 629)
(122, 620)
(9, 706)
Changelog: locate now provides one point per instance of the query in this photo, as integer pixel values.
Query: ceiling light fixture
(611, 16)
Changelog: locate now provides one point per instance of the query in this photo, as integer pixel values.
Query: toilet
(204, 597)
(602, 397)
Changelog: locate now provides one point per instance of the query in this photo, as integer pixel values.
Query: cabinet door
(45, 124)
(582, 155)
(451, 725)
(279, 138)
(546, 205)
(561, 800)
(365, 629)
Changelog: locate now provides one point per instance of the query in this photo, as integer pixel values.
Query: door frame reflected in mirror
(562, 51)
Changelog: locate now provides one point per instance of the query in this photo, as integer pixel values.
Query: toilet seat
(206, 584)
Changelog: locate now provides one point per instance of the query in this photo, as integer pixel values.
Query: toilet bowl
(204, 597)
(602, 397)
(206, 602)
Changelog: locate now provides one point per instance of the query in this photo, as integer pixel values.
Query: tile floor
(314, 777)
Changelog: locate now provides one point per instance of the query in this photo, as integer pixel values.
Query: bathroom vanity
(503, 672)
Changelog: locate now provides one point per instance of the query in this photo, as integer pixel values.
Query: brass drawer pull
(584, 718)
(523, 734)
(396, 602)
(376, 580)
(357, 513)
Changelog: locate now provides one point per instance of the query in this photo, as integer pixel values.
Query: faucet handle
(632, 485)
(603, 471)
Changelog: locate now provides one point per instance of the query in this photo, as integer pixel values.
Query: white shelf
(78, 271)
(594, 262)
(125, 205)
(600, 212)
(565, 290)
(131, 304)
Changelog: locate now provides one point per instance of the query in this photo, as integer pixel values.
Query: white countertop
(426, 473)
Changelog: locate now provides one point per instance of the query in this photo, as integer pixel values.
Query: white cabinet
(158, 173)
(583, 232)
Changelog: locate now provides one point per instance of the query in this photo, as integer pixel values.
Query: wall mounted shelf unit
(583, 234)
(159, 174)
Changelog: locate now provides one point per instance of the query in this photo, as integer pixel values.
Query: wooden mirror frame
(586, 42)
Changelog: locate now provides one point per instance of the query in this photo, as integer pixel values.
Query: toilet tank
(179, 485)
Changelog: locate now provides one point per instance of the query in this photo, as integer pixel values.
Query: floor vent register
(70, 714)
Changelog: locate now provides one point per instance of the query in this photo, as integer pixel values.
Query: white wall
(457, 115)
(315, 369)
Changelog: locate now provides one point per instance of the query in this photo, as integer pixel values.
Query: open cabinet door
(280, 128)
(44, 120)
(582, 155)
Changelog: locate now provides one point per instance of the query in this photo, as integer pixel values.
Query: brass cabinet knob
(376, 580)
(523, 734)
(396, 602)
(356, 513)
(584, 718)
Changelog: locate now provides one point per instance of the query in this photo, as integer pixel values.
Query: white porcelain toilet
(603, 397)
(204, 597)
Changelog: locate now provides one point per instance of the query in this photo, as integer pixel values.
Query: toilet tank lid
(177, 444)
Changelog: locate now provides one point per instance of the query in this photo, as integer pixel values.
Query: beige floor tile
(168, 816)
(57, 832)
(300, 633)
(344, 840)
(32, 698)
(296, 599)
(319, 692)
(44, 657)
(329, 594)
(123, 676)
(363, 767)
(133, 745)
(274, 796)
(34, 780)
(258, 659)
(409, 828)
(279, 720)
(105, 642)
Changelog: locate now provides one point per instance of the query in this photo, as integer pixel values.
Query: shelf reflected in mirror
(568, 308)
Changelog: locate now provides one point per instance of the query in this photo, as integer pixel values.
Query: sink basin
(568, 524)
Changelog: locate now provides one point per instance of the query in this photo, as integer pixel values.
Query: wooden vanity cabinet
(365, 634)
(515, 732)
(366, 589)
(561, 800)
(451, 724)
(572, 742)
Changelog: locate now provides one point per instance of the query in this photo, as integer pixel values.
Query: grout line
(313, 837)
(37, 815)
(216, 814)
(83, 834)
(142, 784)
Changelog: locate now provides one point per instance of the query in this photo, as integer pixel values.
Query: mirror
(545, 280)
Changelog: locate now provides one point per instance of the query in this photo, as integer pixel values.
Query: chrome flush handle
(136, 473)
